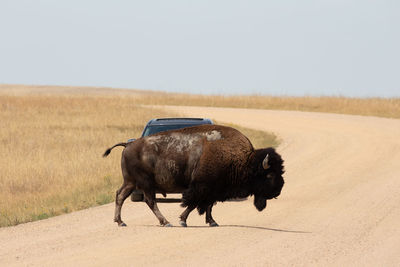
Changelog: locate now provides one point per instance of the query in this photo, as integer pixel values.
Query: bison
(207, 164)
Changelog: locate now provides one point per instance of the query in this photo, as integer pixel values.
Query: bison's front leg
(151, 202)
(122, 193)
(209, 218)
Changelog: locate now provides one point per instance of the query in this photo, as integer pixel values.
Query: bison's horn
(265, 162)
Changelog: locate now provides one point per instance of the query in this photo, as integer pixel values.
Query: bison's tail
(108, 151)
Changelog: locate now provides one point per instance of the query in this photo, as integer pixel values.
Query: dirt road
(340, 206)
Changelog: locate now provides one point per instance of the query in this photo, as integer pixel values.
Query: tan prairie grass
(375, 106)
(47, 90)
(51, 151)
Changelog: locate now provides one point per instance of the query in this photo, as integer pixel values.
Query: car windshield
(161, 128)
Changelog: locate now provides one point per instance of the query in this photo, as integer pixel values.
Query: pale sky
(281, 47)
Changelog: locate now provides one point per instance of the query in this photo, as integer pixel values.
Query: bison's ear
(265, 162)
(260, 202)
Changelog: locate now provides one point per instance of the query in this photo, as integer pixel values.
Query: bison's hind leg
(185, 214)
(150, 199)
(122, 193)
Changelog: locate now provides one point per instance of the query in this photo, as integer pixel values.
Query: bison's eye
(270, 176)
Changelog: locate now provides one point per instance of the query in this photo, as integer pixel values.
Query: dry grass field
(51, 152)
(52, 141)
(380, 107)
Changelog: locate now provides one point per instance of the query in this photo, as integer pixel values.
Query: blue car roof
(179, 121)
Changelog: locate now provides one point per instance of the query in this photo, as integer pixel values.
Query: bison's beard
(260, 202)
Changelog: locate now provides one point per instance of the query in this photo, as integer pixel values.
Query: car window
(161, 128)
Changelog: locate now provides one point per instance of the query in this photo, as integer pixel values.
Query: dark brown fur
(207, 163)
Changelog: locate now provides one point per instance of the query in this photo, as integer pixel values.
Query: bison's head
(268, 181)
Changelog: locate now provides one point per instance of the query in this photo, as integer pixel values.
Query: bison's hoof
(214, 224)
(183, 224)
(122, 224)
(168, 225)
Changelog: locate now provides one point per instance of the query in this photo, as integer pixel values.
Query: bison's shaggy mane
(240, 183)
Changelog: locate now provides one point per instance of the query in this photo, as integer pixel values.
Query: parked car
(165, 124)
